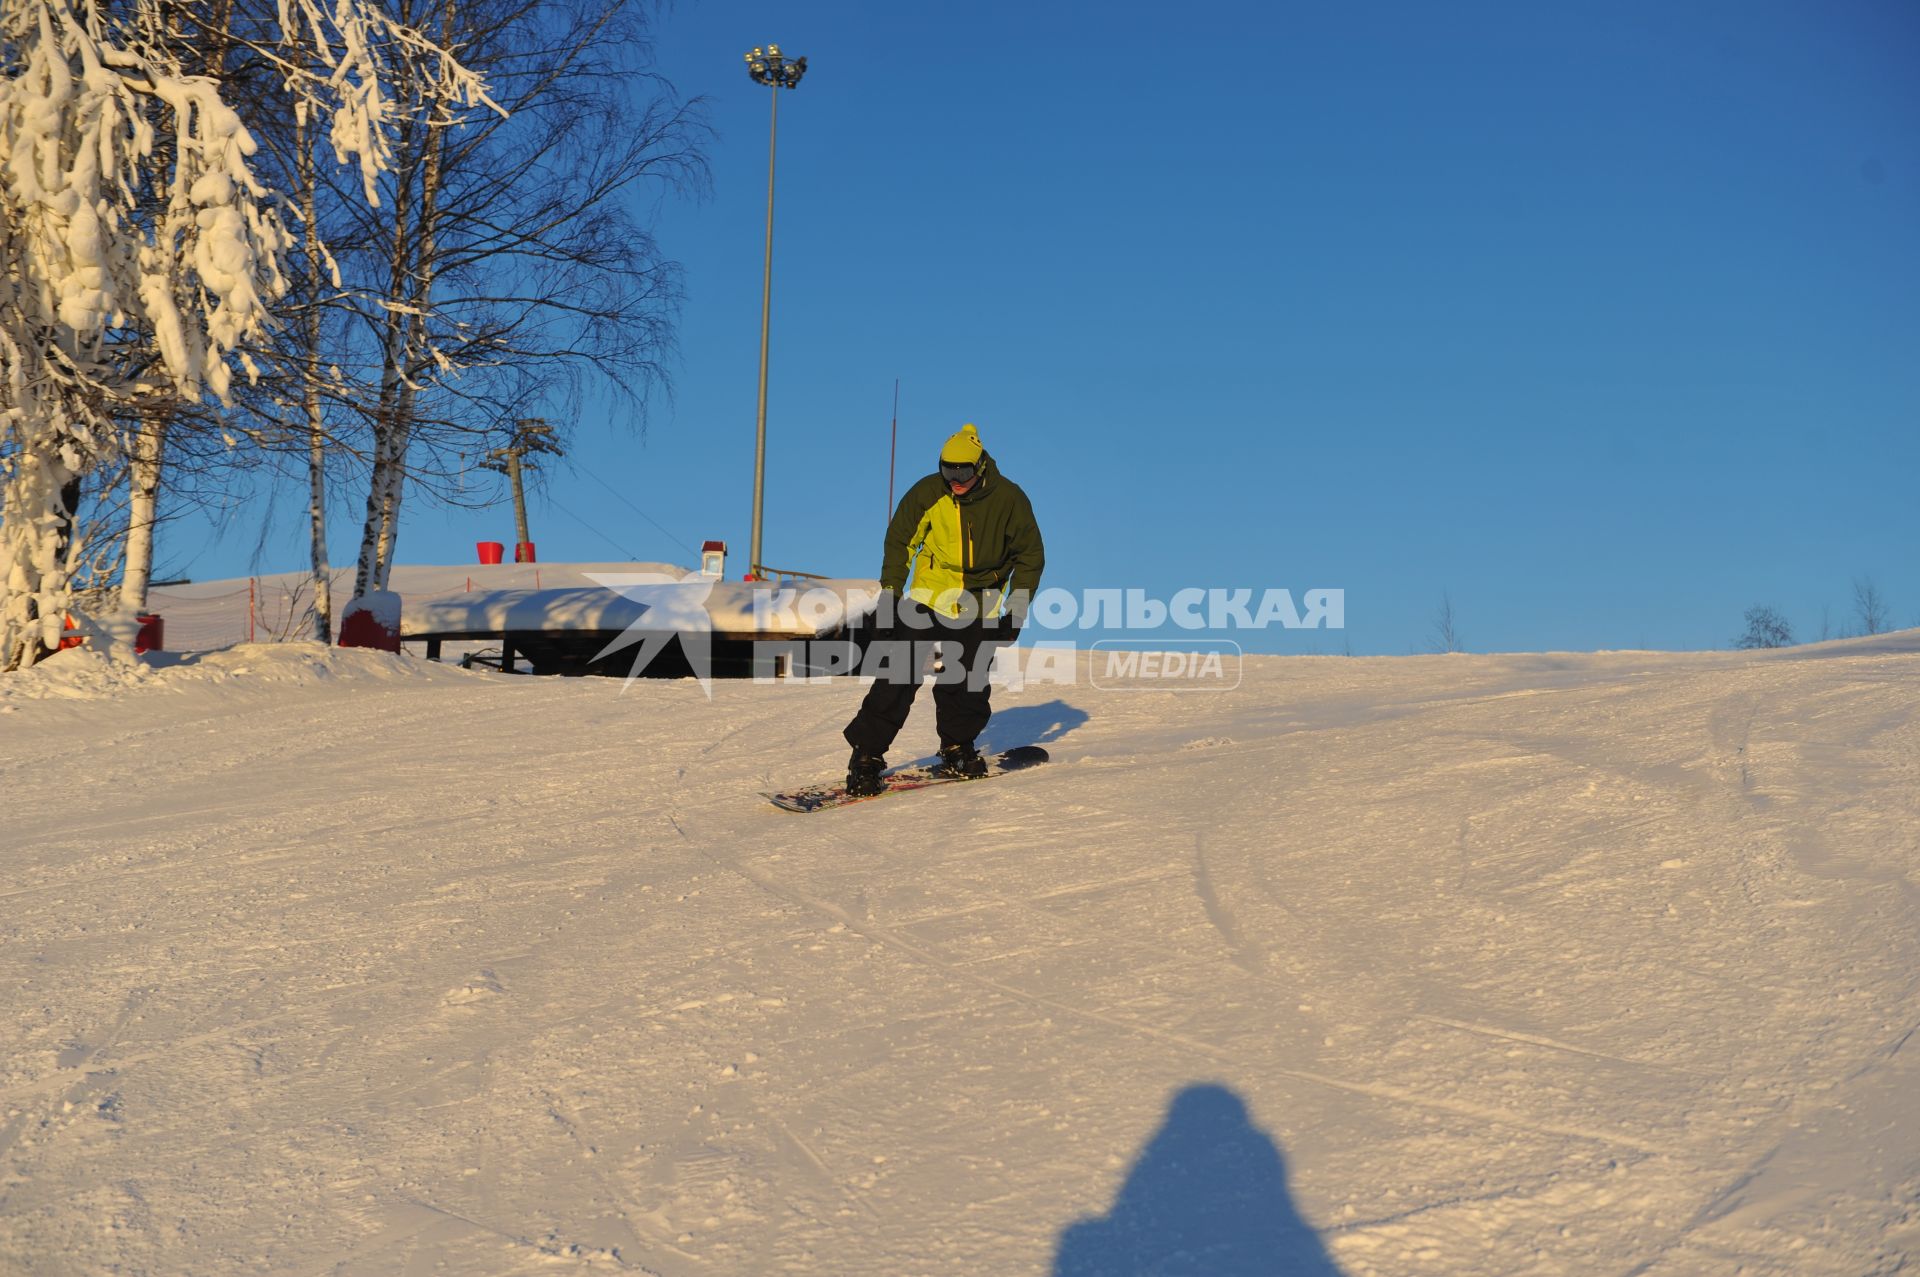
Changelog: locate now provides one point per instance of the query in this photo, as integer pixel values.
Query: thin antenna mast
(893, 447)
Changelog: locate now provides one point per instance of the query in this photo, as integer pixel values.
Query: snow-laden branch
(354, 74)
(132, 224)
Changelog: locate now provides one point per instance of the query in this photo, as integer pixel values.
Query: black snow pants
(899, 657)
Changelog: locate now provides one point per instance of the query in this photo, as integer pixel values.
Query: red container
(523, 552)
(490, 551)
(153, 634)
(360, 627)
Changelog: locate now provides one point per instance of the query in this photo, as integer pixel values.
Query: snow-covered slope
(333, 962)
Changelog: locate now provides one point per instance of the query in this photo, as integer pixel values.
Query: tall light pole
(771, 68)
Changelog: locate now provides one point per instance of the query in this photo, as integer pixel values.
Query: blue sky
(1603, 319)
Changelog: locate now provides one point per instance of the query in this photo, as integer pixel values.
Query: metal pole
(893, 447)
(519, 496)
(766, 312)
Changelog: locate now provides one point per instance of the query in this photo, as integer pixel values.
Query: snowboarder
(968, 536)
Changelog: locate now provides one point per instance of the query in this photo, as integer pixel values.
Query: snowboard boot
(863, 775)
(963, 761)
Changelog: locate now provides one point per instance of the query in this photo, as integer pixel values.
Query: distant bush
(1869, 606)
(1765, 628)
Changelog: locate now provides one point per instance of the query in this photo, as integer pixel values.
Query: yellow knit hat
(962, 448)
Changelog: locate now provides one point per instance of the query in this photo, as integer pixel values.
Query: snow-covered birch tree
(128, 204)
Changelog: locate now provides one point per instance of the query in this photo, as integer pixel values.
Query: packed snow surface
(338, 962)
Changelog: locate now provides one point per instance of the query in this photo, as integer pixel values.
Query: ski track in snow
(336, 963)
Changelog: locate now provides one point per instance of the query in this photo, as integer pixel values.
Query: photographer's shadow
(1208, 1198)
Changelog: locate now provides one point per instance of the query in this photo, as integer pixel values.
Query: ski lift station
(540, 618)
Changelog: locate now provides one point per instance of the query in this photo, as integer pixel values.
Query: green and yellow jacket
(984, 541)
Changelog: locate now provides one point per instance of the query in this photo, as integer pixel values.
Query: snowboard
(821, 797)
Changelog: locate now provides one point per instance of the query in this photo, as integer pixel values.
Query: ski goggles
(958, 472)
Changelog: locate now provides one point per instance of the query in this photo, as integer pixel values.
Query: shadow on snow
(1207, 1198)
(1030, 725)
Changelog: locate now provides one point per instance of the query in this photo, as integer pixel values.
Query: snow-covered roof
(481, 600)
